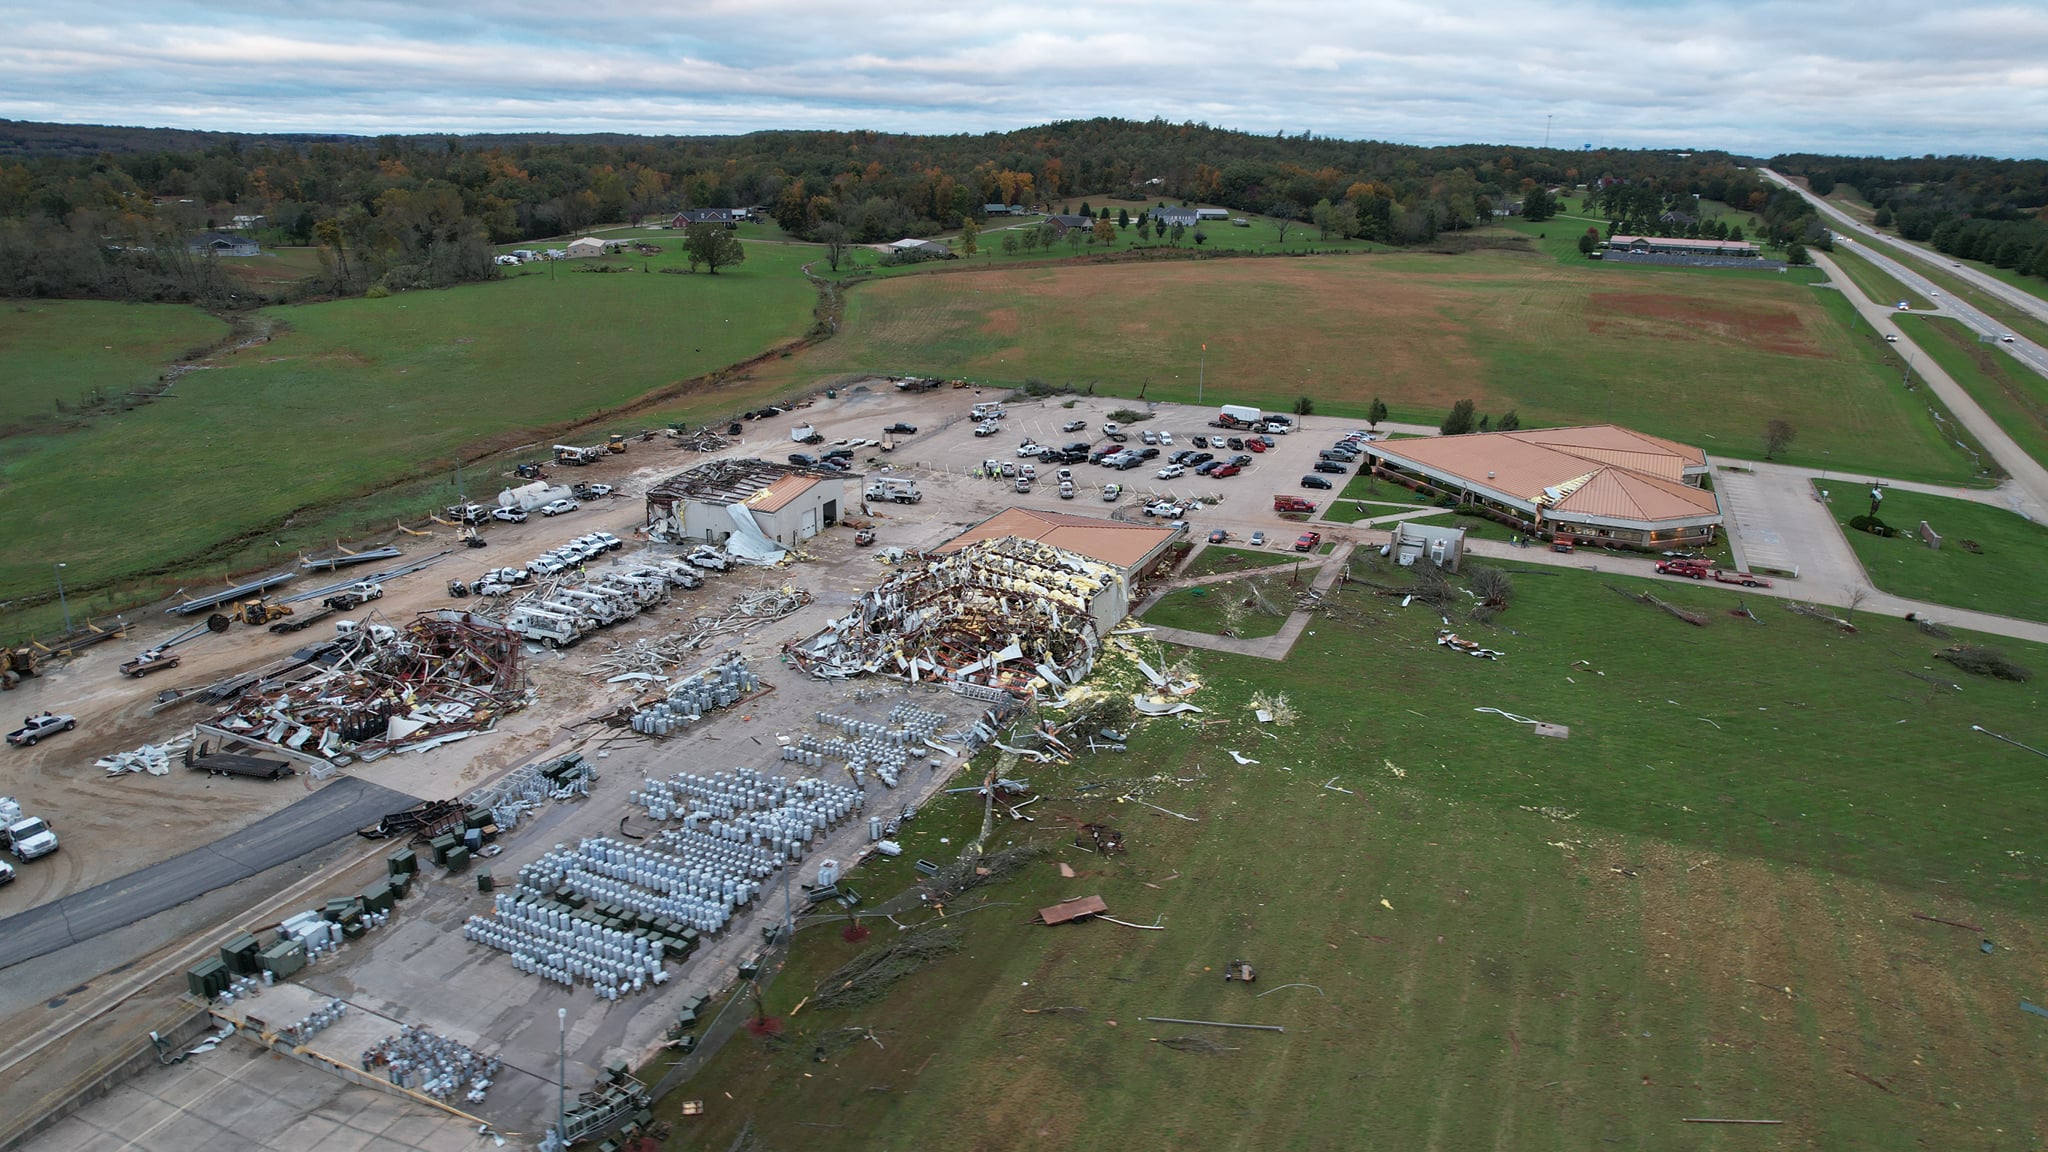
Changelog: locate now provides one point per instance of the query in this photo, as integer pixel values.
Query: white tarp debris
(748, 544)
(1161, 707)
(1240, 757)
(154, 759)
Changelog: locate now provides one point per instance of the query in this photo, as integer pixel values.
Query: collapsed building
(1002, 606)
(754, 508)
(379, 690)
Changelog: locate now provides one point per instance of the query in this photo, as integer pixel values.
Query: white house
(587, 246)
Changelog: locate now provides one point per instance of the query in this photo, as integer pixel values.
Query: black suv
(1331, 467)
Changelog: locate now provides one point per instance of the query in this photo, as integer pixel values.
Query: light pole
(1201, 374)
(59, 570)
(562, 1076)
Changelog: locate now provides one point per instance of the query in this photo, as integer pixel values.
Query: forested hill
(394, 200)
(1974, 207)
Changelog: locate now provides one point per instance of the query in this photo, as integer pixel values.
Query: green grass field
(1701, 904)
(2002, 577)
(355, 395)
(1217, 608)
(65, 351)
(1881, 286)
(2011, 393)
(1704, 359)
(1215, 559)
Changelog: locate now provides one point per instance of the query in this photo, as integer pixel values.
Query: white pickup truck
(36, 727)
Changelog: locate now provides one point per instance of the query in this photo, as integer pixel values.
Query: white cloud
(1749, 75)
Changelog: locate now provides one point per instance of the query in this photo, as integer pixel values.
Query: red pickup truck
(1284, 503)
(1308, 541)
(1691, 569)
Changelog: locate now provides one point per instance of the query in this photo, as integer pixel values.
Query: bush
(1447, 501)
(1129, 415)
(376, 292)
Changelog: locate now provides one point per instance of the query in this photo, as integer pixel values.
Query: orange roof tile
(1106, 541)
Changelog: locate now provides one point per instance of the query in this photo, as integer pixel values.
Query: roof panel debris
(1007, 613)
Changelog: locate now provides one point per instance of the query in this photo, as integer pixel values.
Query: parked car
(1200, 441)
(1164, 508)
(1166, 437)
(30, 837)
(1255, 444)
(509, 515)
(803, 459)
(1030, 448)
(590, 491)
(1315, 482)
(900, 428)
(1206, 467)
(1240, 460)
(1690, 569)
(709, 559)
(1064, 475)
(40, 725)
(1223, 470)
(1258, 539)
(1218, 536)
(1028, 472)
(1009, 468)
(1307, 541)
(1073, 425)
(1110, 492)
(1201, 458)
(557, 507)
(1148, 437)
(1331, 467)
(987, 428)
(1148, 453)
(1170, 471)
(1267, 441)
(1236, 443)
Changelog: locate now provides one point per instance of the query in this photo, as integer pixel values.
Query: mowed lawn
(1701, 904)
(62, 350)
(2011, 393)
(2001, 575)
(354, 395)
(1708, 360)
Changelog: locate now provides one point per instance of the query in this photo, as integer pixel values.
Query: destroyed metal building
(755, 500)
(444, 676)
(1008, 614)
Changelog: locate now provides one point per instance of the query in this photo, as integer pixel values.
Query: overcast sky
(1856, 76)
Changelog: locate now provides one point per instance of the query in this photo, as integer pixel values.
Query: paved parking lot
(1776, 523)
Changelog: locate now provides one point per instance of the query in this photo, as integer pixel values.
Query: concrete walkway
(1274, 647)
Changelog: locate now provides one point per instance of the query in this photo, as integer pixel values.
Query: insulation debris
(1445, 638)
(431, 1063)
(444, 676)
(1009, 614)
(154, 759)
(531, 787)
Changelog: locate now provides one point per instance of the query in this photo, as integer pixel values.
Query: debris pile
(1445, 638)
(154, 759)
(431, 1063)
(531, 787)
(719, 686)
(1007, 614)
(869, 976)
(445, 676)
(702, 440)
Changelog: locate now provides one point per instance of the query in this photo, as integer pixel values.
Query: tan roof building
(1600, 481)
(1124, 546)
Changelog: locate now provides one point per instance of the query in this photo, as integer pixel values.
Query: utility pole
(562, 1076)
(1907, 379)
(1201, 374)
(59, 570)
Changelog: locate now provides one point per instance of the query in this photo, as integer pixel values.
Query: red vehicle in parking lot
(1307, 541)
(1255, 445)
(1691, 569)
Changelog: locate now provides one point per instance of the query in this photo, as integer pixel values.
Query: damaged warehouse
(994, 608)
(442, 677)
(754, 508)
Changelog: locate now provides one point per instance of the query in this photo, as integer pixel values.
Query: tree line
(404, 211)
(1969, 207)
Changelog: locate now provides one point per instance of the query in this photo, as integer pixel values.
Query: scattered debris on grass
(1283, 987)
(1950, 923)
(1445, 638)
(1067, 911)
(1215, 1024)
(2007, 739)
(1273, 709)
(972, 871)
(1100, 839)
(869, 976)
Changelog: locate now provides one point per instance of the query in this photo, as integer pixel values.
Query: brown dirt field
(1668, 317)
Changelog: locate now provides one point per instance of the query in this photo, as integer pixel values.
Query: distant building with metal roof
(787, 502)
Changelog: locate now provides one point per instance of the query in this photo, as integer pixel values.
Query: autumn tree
(1778, 436)
(970, 235)
(833, 237)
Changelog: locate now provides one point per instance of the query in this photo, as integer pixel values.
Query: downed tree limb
(1128, 924)
(1695, 619)
(1817, 614)
(1950, 923)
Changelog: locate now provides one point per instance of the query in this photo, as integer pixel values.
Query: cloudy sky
(1756, 76)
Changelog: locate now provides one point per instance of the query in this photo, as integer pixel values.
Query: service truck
(30, 837)
(894, 489)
